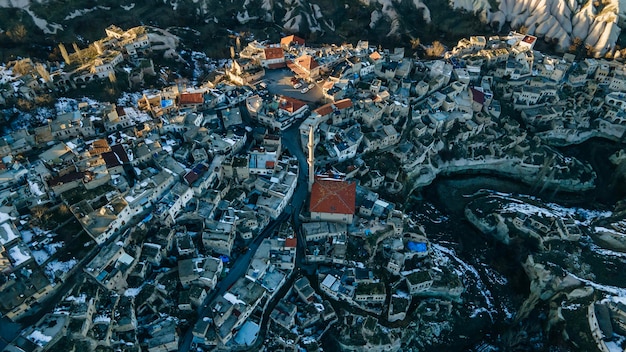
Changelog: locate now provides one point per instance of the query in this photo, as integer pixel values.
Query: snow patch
(18, 255)
(39, 338)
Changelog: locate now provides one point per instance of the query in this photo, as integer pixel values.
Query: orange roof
(297, 70)
(307, 62)
(328, 108)
(343, 104)
(291, 242)
(291, 104)
(324, 110)
(335, 197)
(328, 84)
(375, 56)
(286, 41)
(190, 98)
(274, 53)
(99, 146)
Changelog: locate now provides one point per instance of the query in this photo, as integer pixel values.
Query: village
(264, 206)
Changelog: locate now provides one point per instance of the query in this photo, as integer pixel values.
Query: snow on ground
(18, 255)
(5, 217)
(401, 294)
(580, 215)
(129, 99)
(47, 28)
(54, 247)
(133, 292)
(65, 105)
(11, 235)
(618, 291)
(42, 114)
(27, 235)
(606, 252)
(35, 189)
(55, 265)
(527, 209)
(610, 231)
(40, 256)
(128, 7)
(80, 299)
(39, 338)
(102, 319)
(79, 13)
(494, 276)
(468, 269)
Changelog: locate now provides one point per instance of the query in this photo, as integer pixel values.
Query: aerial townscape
(312, 197)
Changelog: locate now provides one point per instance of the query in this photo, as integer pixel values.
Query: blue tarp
(224, 259)
(147, 218)
(417, 246)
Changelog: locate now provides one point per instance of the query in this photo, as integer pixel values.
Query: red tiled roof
(328, 108)
(324, 110)
(276, 65)
(343, 104)
(190, 98)
(286, 41)
(273, 53)
(296, 69)
(291, 242)
(290, 104)
(307, 62)
(335, 197)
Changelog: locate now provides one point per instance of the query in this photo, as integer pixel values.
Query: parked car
(304, 90)
(311, 85)
(297, 85)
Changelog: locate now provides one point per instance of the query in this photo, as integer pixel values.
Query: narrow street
(291, 141)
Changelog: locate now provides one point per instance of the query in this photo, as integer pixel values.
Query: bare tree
(18, 33)
(437, 49)
(415, 43)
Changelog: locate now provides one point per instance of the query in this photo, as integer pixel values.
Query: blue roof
(147, 218)
(417, 246)
(102, 275)
(166, 102)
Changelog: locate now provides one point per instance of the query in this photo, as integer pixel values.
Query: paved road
(291, 141)
(278, 82)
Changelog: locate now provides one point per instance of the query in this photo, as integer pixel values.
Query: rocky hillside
(596, 25)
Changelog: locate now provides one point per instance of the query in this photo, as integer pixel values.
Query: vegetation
(50, 218)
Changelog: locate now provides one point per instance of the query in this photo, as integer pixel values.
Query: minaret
(311, 160)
